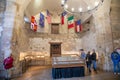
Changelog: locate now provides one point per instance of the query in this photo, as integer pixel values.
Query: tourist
(88, 61)
(94, 57)
(83, 54)
(115, 56)
(118, 50)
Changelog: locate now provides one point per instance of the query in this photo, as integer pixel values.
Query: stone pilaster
(2, 10)
(8, 25)
(99, 36)
(103, 35)
(115, 22)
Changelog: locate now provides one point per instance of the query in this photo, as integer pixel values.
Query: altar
(67, 67)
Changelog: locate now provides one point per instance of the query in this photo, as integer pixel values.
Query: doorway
(55, 49)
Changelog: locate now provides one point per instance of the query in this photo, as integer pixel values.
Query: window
(55, 28)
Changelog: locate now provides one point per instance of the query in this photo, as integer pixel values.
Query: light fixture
(80, 9)
(66, 6)
(80, 6)
(72, 9)
(26, 19)
(88, 7)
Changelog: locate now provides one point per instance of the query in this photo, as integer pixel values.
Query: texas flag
(62, 17)
(78, 26)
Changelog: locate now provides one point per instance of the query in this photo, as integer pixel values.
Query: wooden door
(55, 49)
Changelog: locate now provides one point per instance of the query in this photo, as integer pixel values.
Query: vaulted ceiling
(37, 6)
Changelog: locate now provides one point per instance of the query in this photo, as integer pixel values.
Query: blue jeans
(94, 65)
(116, 67)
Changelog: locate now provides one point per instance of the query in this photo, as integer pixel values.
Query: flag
(62, 17)
(32, 19)
(78, 26)
(48, 17)
(35, 26)
(33, 23)
(41, 21)
(70, 22)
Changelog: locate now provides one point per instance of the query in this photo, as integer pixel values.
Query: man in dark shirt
(88, 61)
(94, 59)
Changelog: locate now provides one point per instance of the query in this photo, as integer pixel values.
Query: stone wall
(13, 39)
(115, 22)
(39, 41)
(99, 36)
(19, 41)
(42, 45)
(2, 10)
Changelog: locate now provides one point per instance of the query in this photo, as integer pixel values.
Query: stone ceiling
(37, 6)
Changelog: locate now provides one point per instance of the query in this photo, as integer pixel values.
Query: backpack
(8, 63)
(115, 56)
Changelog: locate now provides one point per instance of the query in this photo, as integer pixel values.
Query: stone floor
(44, 73)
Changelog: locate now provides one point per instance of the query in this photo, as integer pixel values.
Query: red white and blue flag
(62, 17)
(33, 24)
(48, 17)
(78, 26)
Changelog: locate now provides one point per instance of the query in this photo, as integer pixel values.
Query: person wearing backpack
(115, 56)
(118, 50)
(8, 64)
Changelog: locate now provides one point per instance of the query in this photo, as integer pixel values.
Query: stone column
(8, 25)
(2, 10)
(8, 28)
(103, 34)
(115, 22)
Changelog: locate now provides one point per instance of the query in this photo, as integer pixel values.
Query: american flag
(48, 17)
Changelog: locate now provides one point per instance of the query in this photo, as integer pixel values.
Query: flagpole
(67, 26)
(74, 23)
